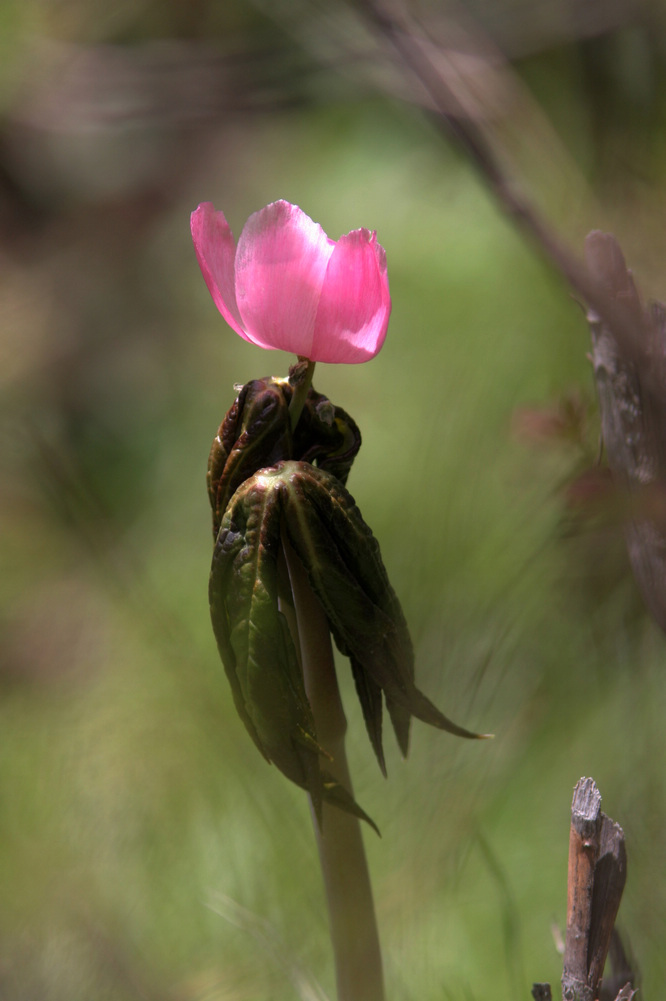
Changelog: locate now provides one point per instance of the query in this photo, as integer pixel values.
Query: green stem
(300, 377)
(353, 926)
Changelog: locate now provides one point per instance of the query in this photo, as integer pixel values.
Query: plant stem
(353, 926)
(300, 377)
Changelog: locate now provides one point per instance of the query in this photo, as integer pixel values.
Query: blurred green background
(146, 849)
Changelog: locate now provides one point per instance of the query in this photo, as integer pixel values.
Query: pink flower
(287, 286)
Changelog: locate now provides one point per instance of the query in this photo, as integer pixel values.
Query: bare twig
(622, 976)
(631, 385)
(417, 56)
(627, 993)
(629, 342)
(597, 874)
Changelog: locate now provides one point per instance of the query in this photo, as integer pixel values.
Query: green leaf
(255, 644)
(346, 572)
(255, 493)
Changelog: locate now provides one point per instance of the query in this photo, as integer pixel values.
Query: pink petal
(355, 303)
(215, 248)
(281, 263)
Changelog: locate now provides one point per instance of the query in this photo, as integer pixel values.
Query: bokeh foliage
(145, 847)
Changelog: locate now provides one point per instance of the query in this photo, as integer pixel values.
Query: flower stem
(300, 377)
(353, 926)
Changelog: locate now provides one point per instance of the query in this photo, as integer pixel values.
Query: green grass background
(146, 850)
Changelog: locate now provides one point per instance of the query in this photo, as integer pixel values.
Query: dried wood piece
(583, 853)
(629, 355)
(597, 874)
(622, 971)
(609, 878)
(627, 993)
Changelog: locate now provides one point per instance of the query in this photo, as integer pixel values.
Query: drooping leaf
(370, 696)
(255, 645)
(255, 496)
(345, 569)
